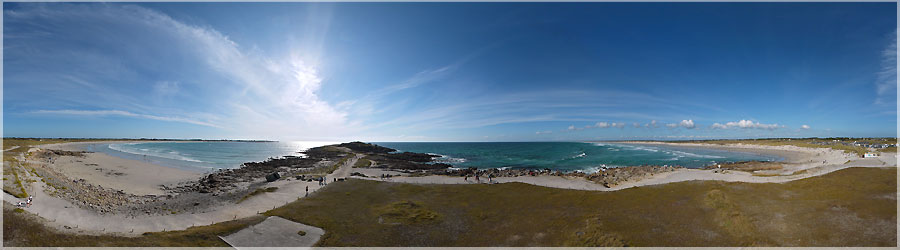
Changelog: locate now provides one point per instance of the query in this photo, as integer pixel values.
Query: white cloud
(746, 124)
(126, 114)
(543, 132)
(602, 125)
(671, 125)
(687, 124)
(652, 124)
(636, 125)
(572, 127)
(804, 126)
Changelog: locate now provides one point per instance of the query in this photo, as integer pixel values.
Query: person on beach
(490, 178)
(476, 178)
(466, 178)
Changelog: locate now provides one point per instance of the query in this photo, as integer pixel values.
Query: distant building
(870, 155)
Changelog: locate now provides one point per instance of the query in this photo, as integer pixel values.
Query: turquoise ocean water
(563, 156)
(570, 156)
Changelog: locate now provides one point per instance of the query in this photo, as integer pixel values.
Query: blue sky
(449, 71)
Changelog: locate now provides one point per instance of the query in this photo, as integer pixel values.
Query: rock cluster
(611, 177)
(608, 177)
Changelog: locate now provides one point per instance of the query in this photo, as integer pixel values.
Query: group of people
(26, 203)
(478, 178)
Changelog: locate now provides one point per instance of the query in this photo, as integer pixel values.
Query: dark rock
(273, 177)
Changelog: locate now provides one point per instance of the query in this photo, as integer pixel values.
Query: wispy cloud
(886, 80)
(255, 95)
(804, 126)
(746, 124)
(124, 114)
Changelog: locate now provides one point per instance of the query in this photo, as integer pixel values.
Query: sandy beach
(130, 176)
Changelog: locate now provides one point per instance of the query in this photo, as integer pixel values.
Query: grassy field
(21, 229)
(851, 207)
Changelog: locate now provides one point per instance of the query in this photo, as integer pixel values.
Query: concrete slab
(275, 232)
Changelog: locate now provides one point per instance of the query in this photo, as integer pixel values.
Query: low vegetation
(327, 169)
(258, 191)
(14, 186)
(888, 150)
(748, 166)
(362, 163)
(22, 229)
(850, 207)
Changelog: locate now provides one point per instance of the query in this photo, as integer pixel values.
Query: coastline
(64, 214)
(799, 163)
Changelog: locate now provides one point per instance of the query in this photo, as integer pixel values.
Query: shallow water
(203, 156)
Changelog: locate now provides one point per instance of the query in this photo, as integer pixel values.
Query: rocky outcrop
(612, 177)
(361, 147)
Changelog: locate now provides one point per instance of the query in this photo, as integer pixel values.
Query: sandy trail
(62, 213)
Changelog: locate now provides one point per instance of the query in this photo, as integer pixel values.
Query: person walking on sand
(466, 178)
(476, 178)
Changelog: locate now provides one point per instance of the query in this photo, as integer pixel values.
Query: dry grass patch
(258, 191)
(362, 163)
(842, 208)
(405, 212)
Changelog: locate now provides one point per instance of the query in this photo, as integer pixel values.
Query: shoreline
(790, 155)
(800, 163)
